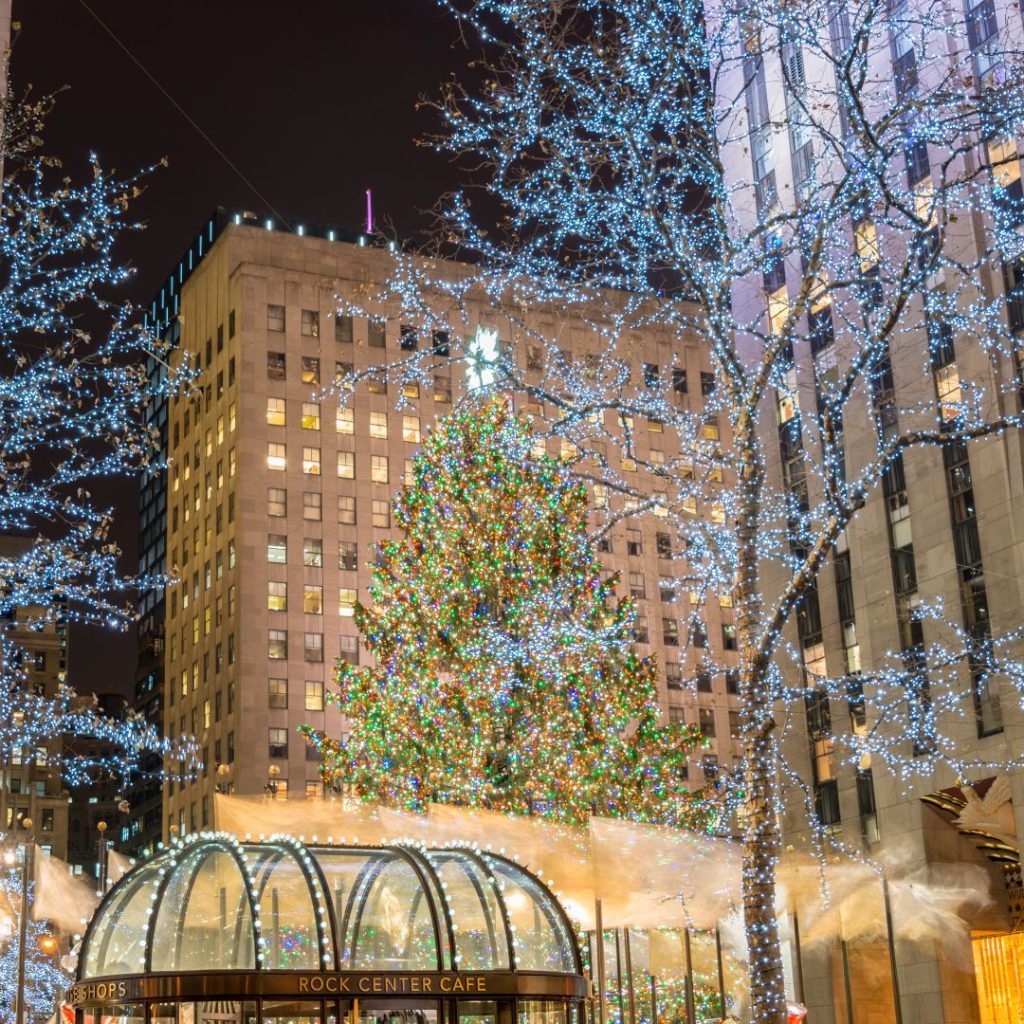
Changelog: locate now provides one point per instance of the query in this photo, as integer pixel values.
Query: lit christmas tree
(505, 676)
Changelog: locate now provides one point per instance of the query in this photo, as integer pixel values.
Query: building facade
(31, 786)
(274, 499)
(942, 529)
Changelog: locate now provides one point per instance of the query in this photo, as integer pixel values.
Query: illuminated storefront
(214, 931)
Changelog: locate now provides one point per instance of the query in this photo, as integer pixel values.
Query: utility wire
(185, 114)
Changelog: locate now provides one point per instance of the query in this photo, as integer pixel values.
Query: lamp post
(272, 775)
(101, 864)
(26, 879)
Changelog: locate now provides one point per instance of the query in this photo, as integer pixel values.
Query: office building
(274, 497)
(942, 529)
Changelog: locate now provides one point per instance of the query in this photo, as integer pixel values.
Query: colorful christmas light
(504, 672)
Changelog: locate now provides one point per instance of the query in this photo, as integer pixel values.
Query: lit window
(344, 421)
(379, 469)
(346, 510)
(277, 548)
(346, 602)
(313, 599)
(381, 514)
(636, 584)
(539, 449)
(277, 644)
(310, 370)
(314, 695)
(568, 451)
(379, 425)
(411, 429)
(276, 456)
(346, 465)
(277, 693)
(600, 496)
(867, 245)
(410, 390)
(277, 596)
(947, 384)
(310, 415)
(232, 417)
(311, 461)
(312, 506)
(628, 464)
(313, 552)
(348, 557)
(709, 432)
(310, 323)
(275, 412)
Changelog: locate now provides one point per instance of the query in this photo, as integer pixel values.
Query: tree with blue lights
(824, 201)
(77, 377)
(45, 980)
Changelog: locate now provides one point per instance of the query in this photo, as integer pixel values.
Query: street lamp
(26, 879)
(101, 827)
(272, 775)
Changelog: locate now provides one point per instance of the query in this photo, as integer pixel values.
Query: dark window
(707, 384)
(275, 366)
(231, 330)
(343, 329)
(651, 375)
(679, 380)
(408, 340)
(440, 343)
(826, 802)
(375, 333)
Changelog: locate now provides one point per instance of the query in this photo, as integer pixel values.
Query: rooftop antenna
(369, 211)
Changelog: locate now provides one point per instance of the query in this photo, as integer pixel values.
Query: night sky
(313, 101)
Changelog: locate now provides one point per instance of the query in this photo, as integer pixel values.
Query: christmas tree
(505, 675)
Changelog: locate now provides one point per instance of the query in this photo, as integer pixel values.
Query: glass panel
(163, 1013)
(204, 921)
(479, 1011)
(542, 937)
(390, 925)
(123, 1013)
(290, 1011)
(480, 939)
(343, 870)
(421, 1015)
(117, 942)
(542, 1011)
(221, 1011)
(288, 918)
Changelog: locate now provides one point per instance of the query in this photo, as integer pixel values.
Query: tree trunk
(759, 822)
(760, 854)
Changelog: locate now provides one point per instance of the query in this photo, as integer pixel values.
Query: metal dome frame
(507, 965)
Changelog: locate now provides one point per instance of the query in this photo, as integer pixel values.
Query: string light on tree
(636, 151)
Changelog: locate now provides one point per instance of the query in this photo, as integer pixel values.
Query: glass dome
(211, 903)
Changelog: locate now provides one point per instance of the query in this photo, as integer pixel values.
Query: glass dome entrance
(212, 904)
